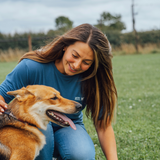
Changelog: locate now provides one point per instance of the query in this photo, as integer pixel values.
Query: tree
(108, 22)
(63, 23)
(1, 36)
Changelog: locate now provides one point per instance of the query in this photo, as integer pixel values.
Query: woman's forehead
(83, 49)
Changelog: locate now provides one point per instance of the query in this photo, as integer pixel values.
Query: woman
(78, 64)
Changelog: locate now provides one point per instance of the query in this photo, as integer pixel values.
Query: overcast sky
(39, 15)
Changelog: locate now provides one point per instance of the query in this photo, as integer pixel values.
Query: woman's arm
(3, 105)
(107, 141)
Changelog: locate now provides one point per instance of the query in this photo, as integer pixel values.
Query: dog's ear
(21, 94)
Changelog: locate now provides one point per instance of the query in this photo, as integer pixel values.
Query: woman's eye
(86, 63)
(54, 98)
(74, 56)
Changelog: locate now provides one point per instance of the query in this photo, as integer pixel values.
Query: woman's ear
(65, 48)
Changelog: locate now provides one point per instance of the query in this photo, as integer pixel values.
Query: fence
(27, 43)
(118, 40)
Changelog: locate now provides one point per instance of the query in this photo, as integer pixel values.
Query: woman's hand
(3, 105)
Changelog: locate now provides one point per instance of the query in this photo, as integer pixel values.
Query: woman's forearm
(1, 98)
(107, 142)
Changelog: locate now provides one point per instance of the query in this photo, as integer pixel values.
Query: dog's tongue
(66, 119)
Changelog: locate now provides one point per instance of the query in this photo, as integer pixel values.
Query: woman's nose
(77, 65)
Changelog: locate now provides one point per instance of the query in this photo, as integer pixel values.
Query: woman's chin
(71, 73)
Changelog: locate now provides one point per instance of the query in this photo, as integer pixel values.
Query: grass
(126, 49)
(137, 128)
(5, 68)
(11, 55)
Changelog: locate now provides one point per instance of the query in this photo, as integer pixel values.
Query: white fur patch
(38, 111)
(18, 96)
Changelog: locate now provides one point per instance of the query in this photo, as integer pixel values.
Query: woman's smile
(71, 69)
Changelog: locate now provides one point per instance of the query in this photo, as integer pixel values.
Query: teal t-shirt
(29, 72)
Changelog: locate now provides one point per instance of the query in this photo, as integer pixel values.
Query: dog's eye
(54, 98)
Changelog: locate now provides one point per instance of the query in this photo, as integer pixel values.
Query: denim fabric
(68, 144)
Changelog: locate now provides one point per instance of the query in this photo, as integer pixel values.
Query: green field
(137, 127)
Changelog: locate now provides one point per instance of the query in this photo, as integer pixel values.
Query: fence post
(29, 43)
(134, 30)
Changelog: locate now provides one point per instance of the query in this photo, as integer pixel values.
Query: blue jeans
(67, 143)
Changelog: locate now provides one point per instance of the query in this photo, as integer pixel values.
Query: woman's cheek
(86, 67)
(70, 59)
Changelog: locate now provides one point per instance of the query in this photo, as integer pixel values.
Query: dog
(32, 108)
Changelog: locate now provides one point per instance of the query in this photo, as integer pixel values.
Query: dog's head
(39, 104)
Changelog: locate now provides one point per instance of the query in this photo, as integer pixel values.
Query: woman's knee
(85, 153)
(75, 145)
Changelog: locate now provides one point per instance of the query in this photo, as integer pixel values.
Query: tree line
(110, 24)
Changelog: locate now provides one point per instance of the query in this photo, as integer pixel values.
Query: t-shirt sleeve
(17, 79)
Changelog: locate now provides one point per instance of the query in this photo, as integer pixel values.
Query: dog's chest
(39, 147)
(40, 143)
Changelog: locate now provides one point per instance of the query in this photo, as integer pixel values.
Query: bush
(116, 38)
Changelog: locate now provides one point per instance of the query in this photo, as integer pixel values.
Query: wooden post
(29, 43)
(134, 29)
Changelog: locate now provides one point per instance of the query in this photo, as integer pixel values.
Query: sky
(39, 15)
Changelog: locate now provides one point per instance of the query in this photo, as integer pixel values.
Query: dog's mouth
(60, 119)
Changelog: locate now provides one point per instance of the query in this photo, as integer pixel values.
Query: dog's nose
(78, 106)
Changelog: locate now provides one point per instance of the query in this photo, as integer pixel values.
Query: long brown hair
(98, 85)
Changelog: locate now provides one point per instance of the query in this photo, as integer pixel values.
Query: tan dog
(33, 107)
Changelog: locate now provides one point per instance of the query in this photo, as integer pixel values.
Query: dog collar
(11, 115)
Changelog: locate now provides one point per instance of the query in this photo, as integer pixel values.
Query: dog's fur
(33, 106)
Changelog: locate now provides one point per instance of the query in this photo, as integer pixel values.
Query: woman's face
(77, 58)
